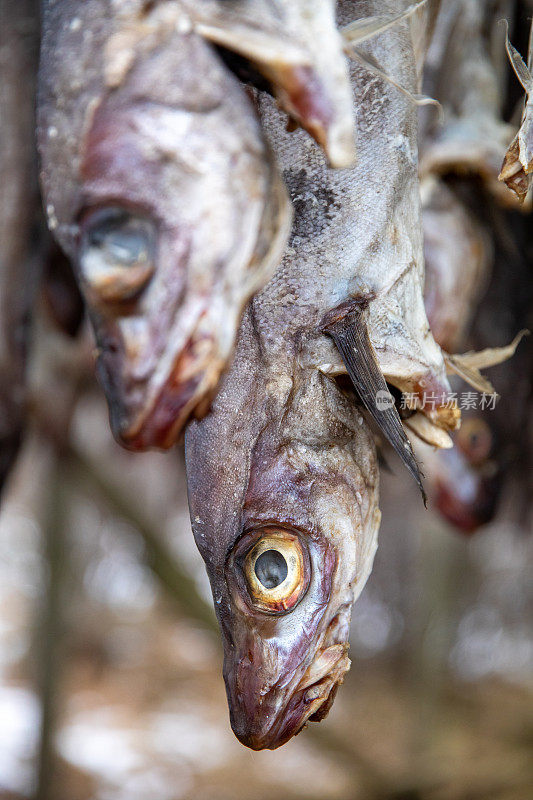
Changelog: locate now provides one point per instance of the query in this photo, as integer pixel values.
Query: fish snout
(264, 717)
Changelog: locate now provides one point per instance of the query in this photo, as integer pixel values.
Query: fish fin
(349, 332)
(371, 64)
(427, 431)
(517, 62)
(474, 361)
(362, 29)
(517, 167)
(513, 173)
(471, 375)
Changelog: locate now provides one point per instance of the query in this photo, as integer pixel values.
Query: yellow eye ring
(276, 572)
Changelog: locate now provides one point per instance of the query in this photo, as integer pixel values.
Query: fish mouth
(310, 700)
(186, 392)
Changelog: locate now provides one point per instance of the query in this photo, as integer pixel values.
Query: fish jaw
(265, 715)
(151, 401)
(297, 47)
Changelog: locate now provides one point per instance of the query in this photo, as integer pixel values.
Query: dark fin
(349, 332)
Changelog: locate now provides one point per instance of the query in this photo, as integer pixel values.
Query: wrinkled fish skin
(19, 37)
(284, 452)
(158, 184)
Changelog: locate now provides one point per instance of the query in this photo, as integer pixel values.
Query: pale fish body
(159, 185)
(282, 473)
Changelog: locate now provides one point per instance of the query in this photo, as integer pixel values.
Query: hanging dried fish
(159, 185)
(282, 481)
(458, 256)
(282, 473)
(464, 76)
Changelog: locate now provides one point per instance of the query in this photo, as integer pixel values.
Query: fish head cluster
(284, 511)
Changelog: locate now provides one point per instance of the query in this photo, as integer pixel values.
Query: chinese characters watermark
(465, 401)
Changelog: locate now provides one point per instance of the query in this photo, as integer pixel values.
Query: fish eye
(276, 572)
(116, 256)
(271, 568)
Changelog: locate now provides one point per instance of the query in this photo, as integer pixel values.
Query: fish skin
(283, 445)
(19, 204)
(138, 112)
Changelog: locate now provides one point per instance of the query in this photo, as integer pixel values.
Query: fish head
(288, 531)
(173, 214)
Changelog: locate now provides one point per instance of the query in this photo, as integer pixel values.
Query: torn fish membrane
(360, 30)
(517, 167)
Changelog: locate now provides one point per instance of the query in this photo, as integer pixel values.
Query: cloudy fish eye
(271, 568)
(124, 238)
(117, 253)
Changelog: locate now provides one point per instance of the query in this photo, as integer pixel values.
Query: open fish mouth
(311, 699)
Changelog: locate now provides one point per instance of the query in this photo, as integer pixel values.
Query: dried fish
(282, 473)
(464, 483)
(458, 255)
(282, 481)
(464, 76)
(159, 185)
